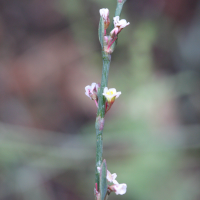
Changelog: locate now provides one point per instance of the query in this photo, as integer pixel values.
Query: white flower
(111, 94)
(118, 188)
(104, 12)
(120, 23)
(110, 177)
(91, 91)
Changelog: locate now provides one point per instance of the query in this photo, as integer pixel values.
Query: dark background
(49, 52)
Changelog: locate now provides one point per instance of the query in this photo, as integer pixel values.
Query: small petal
(116, 20)
(117, 94)
(112, 90)
(93, 86)
(123, 23)
(87, 91)
(111, 177)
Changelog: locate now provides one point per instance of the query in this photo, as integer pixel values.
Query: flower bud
(104, 13)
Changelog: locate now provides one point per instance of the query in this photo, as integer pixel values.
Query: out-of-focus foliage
(49, 51)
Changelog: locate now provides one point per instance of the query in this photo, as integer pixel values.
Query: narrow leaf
(101, 31)
(103, 180)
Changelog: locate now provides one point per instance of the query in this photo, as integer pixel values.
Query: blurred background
(49, 52)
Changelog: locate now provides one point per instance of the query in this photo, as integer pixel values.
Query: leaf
(101, 31)
(103, 180)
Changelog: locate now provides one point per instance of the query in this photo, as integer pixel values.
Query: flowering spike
(104, 13)
(105, 98)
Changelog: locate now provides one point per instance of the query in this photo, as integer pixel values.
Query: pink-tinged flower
(110, 177)
(91, 91)
(118, 188)
(104, 13)
(111, 94)
(119, 25)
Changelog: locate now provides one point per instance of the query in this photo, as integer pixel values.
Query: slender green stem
(100, 113)
(104, 81)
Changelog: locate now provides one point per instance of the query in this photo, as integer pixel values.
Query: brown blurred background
(49, 52)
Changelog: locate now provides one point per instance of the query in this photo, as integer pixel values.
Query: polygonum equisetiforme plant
(104, 99)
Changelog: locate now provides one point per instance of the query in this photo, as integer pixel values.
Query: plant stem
(101, 100)
(100, 114)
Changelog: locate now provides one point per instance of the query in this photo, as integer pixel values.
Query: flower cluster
(116, 187)
(109, 94)
(118, 26)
